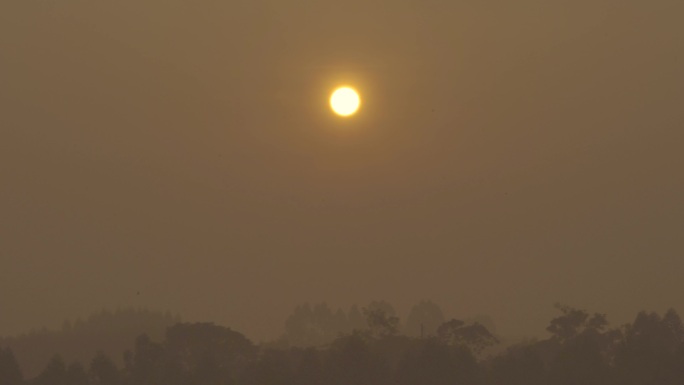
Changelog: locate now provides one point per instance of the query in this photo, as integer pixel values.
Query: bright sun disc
(345, 101)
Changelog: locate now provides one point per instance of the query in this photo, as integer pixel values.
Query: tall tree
(55, 373)
(585, 348)
(103, 371)
(381, 318)
(475, 337)
(190, 347)
(10, 373)
(573, 322)
(652, 351)
(145, 364)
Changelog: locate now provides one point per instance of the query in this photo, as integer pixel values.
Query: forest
(368, 345)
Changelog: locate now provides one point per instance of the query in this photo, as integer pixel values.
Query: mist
(181, 156)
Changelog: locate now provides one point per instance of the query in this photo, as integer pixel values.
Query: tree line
(111, 332)
(581, 349)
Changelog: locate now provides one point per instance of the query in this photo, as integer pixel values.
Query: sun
(345, 101)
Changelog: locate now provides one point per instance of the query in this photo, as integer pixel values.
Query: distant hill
(110, 332)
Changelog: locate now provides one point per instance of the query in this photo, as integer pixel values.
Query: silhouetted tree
(573, 322)
(582, 360)
(581, 350)
(519, 365)
(10, 373)
(351, 362)
(110, 332)
(103, 371)
(652, 351)
(55, 373)
(191, 348)
(315, 326)
(145, 364)
(381, 319)
(436, 363)
(475, 337)
(424, 319)
(585, 348)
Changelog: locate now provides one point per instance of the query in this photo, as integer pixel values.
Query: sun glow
(345, 101)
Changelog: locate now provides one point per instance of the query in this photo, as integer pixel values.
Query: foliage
(381, 318)
(582, 349)
(10, 373)
(109, 332)
(475, 336)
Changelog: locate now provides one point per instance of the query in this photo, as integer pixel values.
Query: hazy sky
(508, 155)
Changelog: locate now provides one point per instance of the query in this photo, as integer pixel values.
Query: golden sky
(507, 156)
